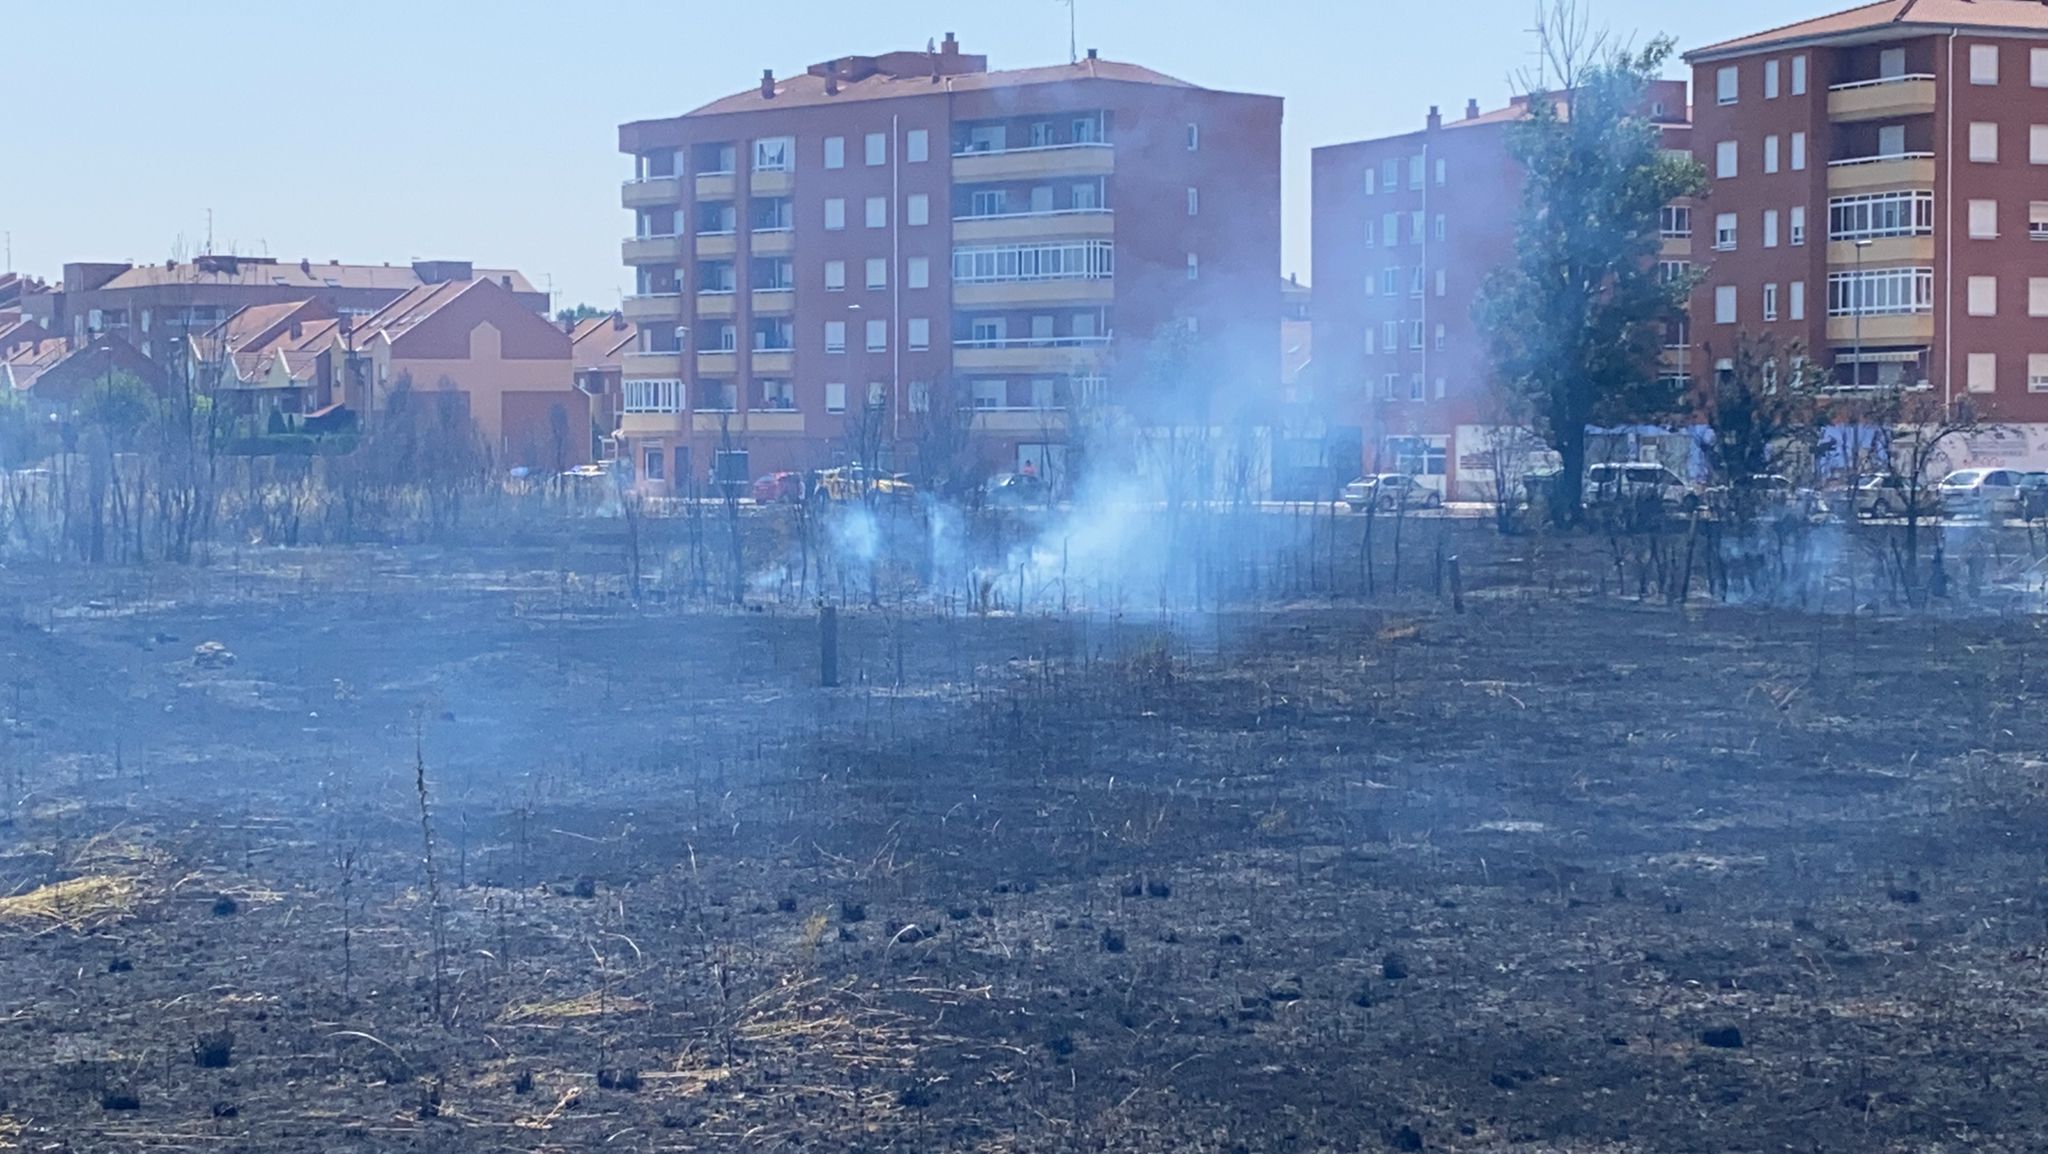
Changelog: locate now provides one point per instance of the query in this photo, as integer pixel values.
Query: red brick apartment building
(816, 258)
(1880, 196)
(1406, 230)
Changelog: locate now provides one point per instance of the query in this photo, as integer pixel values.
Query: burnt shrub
(1112, 942)
(852, 912)
(214, 1051)
(119, 1100)
(1156, 889)
(627, 1081)
(1393, 967)
(522, 1082)
(225, 907)
(1722, 1038)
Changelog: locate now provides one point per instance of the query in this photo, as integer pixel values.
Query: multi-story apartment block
(1880, 198)
(821, 261)
(1406, 230)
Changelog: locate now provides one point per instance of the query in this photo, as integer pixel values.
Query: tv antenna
(1073, 39)
(1541, 31)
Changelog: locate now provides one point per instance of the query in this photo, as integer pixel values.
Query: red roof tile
(1907, 17)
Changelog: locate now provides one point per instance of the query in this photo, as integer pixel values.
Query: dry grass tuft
(81, 903)
(569, 1009)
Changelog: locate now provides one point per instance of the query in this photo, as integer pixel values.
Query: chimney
(1436, 118)
(298, 330)
(767, 84)
(1472, 109)
(831, 78)
(1091, 55)
(618, 322)
(305, 266)
(949, 46)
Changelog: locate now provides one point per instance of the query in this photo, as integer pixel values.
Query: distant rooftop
(246, 270)
(1891, 18)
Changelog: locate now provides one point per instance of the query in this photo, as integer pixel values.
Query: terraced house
(827, 263)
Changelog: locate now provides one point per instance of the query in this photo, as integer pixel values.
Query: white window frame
(835, 336)
(918, 275)
(1980, 372)
(775, 154)
(1984, 65)
(2037, 296)
(1770, 228)
(877, 272)
(1194, 201)
(1982, 296)
(1194, 137)
(920, 334)
(878, 335)
(917, 146)
(2037, 143)
(1727, 160)
(1727, 228)
(835, 152)
(1771, 301)
(1726, 303)
(835, 396)
(1799, 152)
(1984, 142)
(2037, 372)
(1728, 85)
(875, 149)
(876, 214)
(1771, 155)
(835, 276)
(1983, 220)
(1881, 292)
(917, 211)
(1194, 267)
(835, 213)
(1797, 309)
(1799, 75)
(1770, 80)
(1797, 226)
(651, 396)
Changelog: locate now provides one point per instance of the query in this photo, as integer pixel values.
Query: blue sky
(382, 130)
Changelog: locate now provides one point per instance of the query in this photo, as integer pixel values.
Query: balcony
(717, 185)
(1887, 250)
(718, 244)
(774, 421)
(1063, 355)
(771, 182)
(1675, 247)
(1057, 291)
(650, 424)
(772, 242)
(1032, 163)
(718, 363)
(1025, 421)
(654, 190)
(1863, 173)
(774, 301)
(711, 303)
(645, 307)
(652, 249)
(775, 361)
(1884, 99)
(1077, 224)
(661, 365)
(1884, 329)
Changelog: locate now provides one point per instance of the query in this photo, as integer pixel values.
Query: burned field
(1559, 873)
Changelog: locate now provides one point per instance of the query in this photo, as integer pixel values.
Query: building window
(2037, 144)
(877, 149)
(1390, 174)
(2037, 296)
(2037, 219)
(1415, 334)
(1770, 80)
(1194, 267)
(1371, 344)
(835, 396)
(1194, 137)
(1673, 271)
(1416, 281)
(1194, 202)
(1390, 280)
(1770, 154)
(1798, 225)
(1675, 222)
(1372, 182)
(1439, 338)
(1390, 228)
(1881, 292)
(1371, 232)
(1441, 172)
(1984, 143)
(1799, 152)
(2037, 367)
(1983, 220)
(1983, 372)
(835, 336)
(1770, 228)
(835, 213)
(835, 152)
(1881, 214)
(1771, 302)
(1726, 84)
(1415, 169)
(1390, 336)
(1799, 76)
(652, 396)
(1415, 392)
(1387, 386)
(920, 272)
(1437, 230)
(775, 154)
(1725, 160)
(1983, 296)
(878, 336)
(652, 463)
(1983, 63)
(917, 146)
(1799, 300)
(1724, 304)
(1440, 282)
(878, 212)
(719, 397)
(920, 333)
(1078, 260)
(835, 276)
(777, 396)
(878, 272)
(1414, 228)
(1724, 232)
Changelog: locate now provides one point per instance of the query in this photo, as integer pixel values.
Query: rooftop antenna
(209, 232)
(1541, 31)
(1073, 39)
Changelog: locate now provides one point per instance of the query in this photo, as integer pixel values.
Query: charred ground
(1560, 873)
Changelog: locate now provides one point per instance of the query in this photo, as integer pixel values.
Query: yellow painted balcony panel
(1063, 357)
(1030, 163)
(654, 307)
(652, 191)
(718, 186)
(652, 249)
(1885, 250)
(776, 362)
(774, 301)
(771, 183)
(1886, 99)
(1676, 248)
(719, 364)
(1020, 421)
(657, 366)
(997, 294)
(1883, 330)
(650, 424)
(779, 242)
(1085, 224)
(774, 421)
(715, 304)
(1908, 170)
(717, 245)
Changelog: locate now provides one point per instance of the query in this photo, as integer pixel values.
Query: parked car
(1390, 491)
(1634, 482)
(2033, 495)
(1774, 493)
(784, 488)
(1991, 492)
(1012, 489)
(1887, 495)
(856, 483)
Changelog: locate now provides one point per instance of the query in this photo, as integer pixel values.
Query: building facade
(831, 267)
(1406, 229)
(1880, 203)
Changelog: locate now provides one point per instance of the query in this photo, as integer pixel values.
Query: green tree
(578, 313)
(1575, 322)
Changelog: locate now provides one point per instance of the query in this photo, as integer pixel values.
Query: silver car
(1990, 492)
(1390, 491)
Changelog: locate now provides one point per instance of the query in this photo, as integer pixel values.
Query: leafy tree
(1766, 415)
(1575, 322)
(578, 313)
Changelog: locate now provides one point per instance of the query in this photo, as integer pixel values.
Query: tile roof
(29, 361)
(808, 89)
(601, 342)
(1907, 16)
(310, 275)
(416, 305)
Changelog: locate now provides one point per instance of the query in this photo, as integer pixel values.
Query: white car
(1390, 491)
(1991, 492)
(1629, 482)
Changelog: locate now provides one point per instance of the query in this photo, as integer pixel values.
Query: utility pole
(1856, 302)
